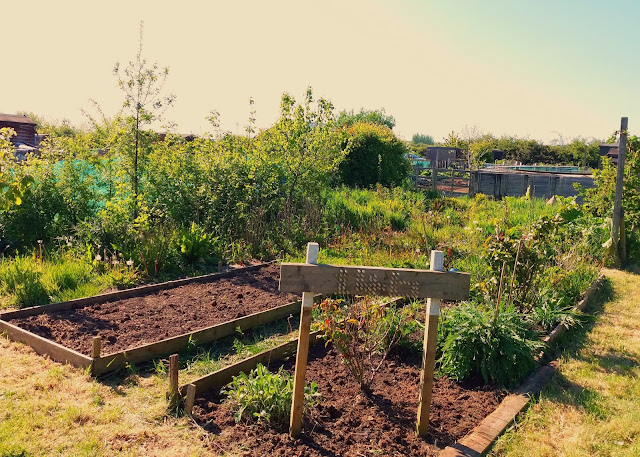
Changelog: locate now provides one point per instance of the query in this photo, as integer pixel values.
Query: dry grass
(592, 405)
(51, 409)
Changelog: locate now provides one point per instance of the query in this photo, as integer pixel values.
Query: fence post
(429, 352)
(297, 400)
(616, 233)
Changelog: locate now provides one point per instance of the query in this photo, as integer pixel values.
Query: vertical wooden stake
(220, 265)
(190, 400)
(429, 352)
(95, 348)
(173, 380)
(616, 233)
(297, 400)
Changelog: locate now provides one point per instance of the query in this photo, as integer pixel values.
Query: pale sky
(543, 69)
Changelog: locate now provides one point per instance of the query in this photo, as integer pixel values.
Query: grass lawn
(592, 404)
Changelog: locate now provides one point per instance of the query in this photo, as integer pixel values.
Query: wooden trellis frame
(310, 278)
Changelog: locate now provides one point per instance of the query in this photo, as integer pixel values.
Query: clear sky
(544, 69)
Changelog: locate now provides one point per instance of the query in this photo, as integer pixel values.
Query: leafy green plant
(551, 309)
(473, 345)
(265, 397)
(196, 245)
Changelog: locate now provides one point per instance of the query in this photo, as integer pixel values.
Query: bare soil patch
(131, 322)
(349, 423)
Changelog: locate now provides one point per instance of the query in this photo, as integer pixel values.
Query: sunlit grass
(592, 405)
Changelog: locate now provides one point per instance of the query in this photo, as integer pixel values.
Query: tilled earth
(349, 423)
(131, 322)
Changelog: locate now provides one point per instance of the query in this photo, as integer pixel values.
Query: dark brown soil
(127, 323)
(349, 423)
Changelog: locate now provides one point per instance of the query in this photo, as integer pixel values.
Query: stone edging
(478, 441)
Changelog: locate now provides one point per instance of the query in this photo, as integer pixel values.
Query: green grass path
(591, 406)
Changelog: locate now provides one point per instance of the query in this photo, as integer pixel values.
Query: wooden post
(173, 380)
(617, 203)
(434, 173)
(220, 265)
(95, 348)
(190, 400)
(297, 401)
(429, 352)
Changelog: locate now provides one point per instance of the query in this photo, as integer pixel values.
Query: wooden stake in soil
(297, 401)
(429, 352)
(95, 347)
(190, 400)
(173, 380)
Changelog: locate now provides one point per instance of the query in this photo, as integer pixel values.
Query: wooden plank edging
(115, 361)
(122, 294)
(224, 376)
(479, 440)
(43, 346)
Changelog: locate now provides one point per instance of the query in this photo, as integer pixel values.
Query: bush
(264, 396)
(364, 332)
(472, 345)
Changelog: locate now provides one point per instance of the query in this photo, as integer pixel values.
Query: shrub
(264, 396)
(552, 309)
(364, 332)
(472, 345)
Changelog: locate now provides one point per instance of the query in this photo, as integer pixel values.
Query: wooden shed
(25, 128)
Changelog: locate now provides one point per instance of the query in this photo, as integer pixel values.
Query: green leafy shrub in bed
(265, 397)
(501, 352)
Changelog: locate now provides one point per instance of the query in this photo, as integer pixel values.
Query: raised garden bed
(348, 423)
(141, 323)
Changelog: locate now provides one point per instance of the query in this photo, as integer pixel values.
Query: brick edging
(478, 441)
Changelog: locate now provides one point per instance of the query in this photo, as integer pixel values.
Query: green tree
(142, 83)
(373, 156)
(419, 138)
(377, 117)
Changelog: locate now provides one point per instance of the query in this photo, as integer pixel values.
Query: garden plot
(347, 422)
(152, 322)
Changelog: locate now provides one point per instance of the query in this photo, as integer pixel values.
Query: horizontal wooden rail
(121, 294)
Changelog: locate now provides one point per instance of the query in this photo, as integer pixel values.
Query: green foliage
(373, 156)
(552, 308)
(265, 397)
(364, 332)
(419, 138)
(196, 245)
(20, 277)
(376, 117)
(472, 345)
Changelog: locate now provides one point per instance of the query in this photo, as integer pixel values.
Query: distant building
(25, 129)
(611, 151)
(443, 156)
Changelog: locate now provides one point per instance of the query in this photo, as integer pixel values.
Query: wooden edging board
(478, 441)
(112, 362)
(117, 360)
(121, 294)
(224, 376)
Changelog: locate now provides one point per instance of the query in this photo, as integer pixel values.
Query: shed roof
(16, 118)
